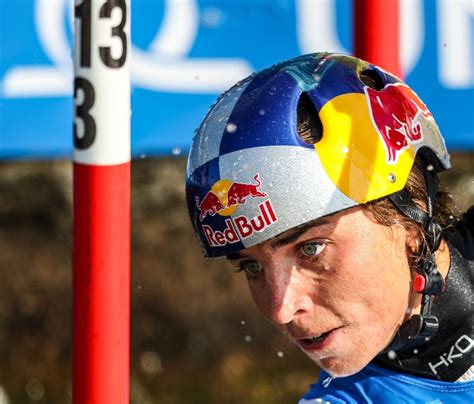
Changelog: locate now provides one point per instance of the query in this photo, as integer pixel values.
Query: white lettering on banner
(412, 33)
(463, 345)
(317, 22)
(455, 43)
(37, 80)
(316, 26)
(165, 65)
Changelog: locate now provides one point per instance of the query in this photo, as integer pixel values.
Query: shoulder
(375, 385)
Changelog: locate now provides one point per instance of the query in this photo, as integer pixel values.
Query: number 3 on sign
(83, 12)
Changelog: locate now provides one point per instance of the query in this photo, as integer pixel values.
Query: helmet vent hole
(371, 78)
(309, 126)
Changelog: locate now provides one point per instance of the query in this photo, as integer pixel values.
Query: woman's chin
(339, 367)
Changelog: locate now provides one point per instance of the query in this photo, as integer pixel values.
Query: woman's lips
(318, 342)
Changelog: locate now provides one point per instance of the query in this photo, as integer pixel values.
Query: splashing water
(391, 355)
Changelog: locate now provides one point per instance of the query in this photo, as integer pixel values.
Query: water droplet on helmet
(392, 178)
(231, 127)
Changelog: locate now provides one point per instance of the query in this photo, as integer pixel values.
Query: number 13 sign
(102, 82)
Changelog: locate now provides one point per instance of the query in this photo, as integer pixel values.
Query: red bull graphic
(223, 199)
(210, 205)
(225, 195)
(396, 113)
(241, 227)
(238, 192)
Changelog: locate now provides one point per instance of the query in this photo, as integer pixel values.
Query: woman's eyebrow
(296, 233)
(292, 235)
(234, 256)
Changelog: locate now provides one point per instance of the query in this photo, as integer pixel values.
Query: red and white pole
(376, 33)
(101, 218)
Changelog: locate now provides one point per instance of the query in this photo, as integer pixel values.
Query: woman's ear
(413, 239)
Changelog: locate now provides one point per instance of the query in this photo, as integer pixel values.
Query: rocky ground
(195, 334)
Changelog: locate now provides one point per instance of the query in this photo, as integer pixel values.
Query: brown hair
(444, 212)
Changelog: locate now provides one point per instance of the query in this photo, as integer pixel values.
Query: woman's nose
(288, 296)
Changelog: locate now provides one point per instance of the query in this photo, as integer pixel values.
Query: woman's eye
(251, 268)
(312, 249)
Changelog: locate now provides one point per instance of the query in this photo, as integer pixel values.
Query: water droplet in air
(294, 280)
(430, 167)
(415, 351)
(150, 362)
(34, 390)
(262, 112)
(211, 17)
(280, 354)
(391, 355)
(242, 322)
(142, 156)
(248, 338)
(176, 151)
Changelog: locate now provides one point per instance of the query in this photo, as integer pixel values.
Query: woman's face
(339, 288)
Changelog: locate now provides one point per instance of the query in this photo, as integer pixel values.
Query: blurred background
(196, 336)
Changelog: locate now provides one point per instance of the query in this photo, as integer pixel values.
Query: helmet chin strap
(420, 328)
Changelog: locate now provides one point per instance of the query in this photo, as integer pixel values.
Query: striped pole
(101, 218)
(376, 33)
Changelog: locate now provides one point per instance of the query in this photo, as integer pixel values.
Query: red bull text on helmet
(223, 199)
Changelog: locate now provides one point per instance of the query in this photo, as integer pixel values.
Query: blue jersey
(374, 384)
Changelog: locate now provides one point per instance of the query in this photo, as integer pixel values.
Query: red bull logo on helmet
(223, 199)
(225, 195)
(396, 113)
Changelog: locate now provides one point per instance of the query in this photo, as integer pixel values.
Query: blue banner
(185, 52)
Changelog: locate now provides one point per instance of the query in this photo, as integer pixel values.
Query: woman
(317, 179)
